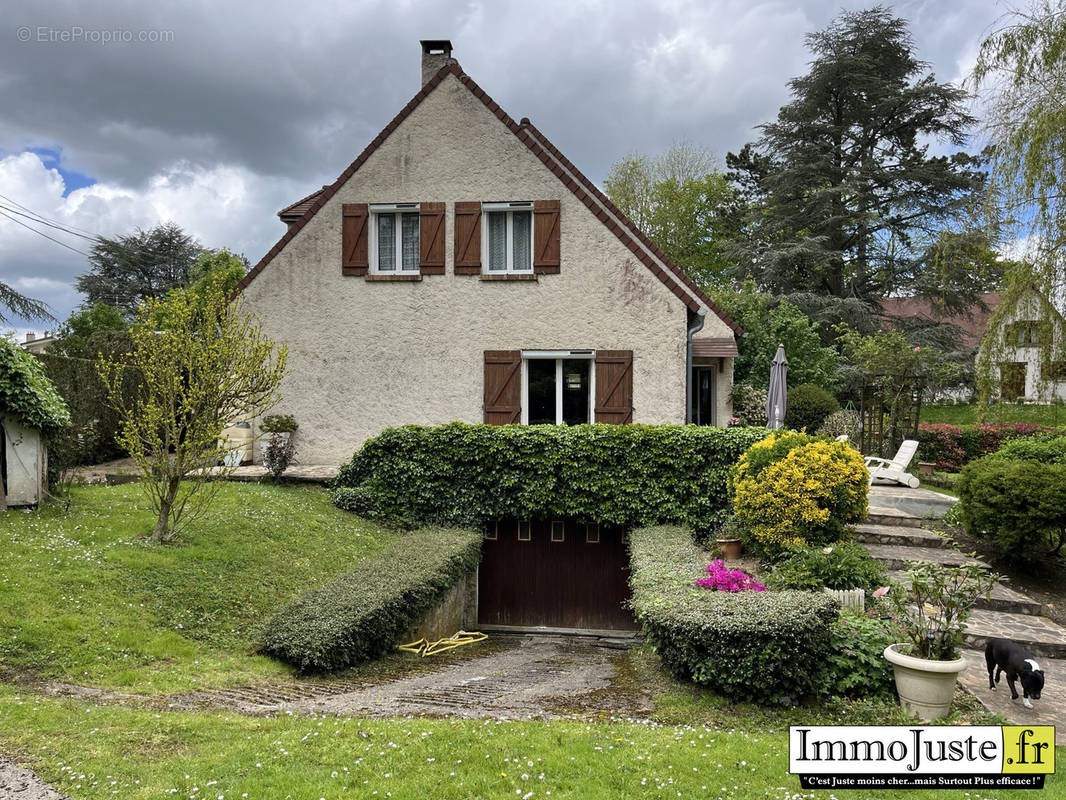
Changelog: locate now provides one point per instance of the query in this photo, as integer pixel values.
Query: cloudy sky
(119, 115)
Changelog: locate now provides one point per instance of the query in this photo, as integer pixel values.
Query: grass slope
(84, 598)
(966, 414)
(84, 751)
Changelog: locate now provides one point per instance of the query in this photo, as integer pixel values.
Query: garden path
(17, 783)
(521, 677)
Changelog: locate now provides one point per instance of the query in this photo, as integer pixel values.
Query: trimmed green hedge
(766, 647)
(459, 474)
(951, 447)
(362, 614)
(1019, 506)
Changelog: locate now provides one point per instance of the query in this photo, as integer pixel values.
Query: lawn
(84, 751)
(84, 598)
(966, 414)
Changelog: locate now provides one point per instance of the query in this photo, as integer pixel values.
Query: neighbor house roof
(972, 322)
(582, 188)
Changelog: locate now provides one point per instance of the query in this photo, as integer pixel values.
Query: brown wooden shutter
(503, 387)
(614, 386)
(431, 238)
(546, 236)
(467, 238)
(355, 258)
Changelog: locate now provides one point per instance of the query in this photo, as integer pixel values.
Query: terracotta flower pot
(925, 687)
(730, 548)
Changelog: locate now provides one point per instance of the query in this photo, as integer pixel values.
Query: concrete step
(897, 557)
(1039, 635)
(900, 534)
(884, 515)
(1003, 598)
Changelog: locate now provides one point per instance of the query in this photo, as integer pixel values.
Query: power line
(45, 235)
(43, 221)
(43, 218)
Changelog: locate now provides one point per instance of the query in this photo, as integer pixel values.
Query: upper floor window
(1025, 333)
(508, 237)
(394, 240)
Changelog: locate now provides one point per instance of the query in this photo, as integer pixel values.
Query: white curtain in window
(497, 240)
(386, 242)
(522, 246)
(410, 241)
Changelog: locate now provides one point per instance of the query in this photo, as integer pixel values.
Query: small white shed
(30, 410)
(23, 463)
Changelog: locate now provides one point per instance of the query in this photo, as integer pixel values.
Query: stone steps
(883, 515)
(898, 557)
(1039, 635)
(870, 533)
(1050, 709)
(1003, 598)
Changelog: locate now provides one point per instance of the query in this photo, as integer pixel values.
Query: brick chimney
(30, 337)
(436, 54)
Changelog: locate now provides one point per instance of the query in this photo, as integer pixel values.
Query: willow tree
(1021, 75)
(203, 364)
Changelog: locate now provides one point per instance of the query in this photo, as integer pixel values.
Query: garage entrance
(557, 574)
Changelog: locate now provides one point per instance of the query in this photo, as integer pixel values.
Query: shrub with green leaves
(840, 566)
(842, 423)
(362, 614)
(765, 647)
(459, 474)
(1018, 506)
(26, 394)
(791, 491)
(1045, 449)
(808, 406)
(856, 666)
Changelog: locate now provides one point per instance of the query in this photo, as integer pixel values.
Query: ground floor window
(557, 388)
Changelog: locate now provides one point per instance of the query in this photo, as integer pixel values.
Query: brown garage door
(557, 574)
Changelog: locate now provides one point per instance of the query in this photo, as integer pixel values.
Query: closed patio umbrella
(777, 396)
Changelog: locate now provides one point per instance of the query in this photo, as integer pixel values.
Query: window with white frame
(507, 238)
(557, 387)
(394, 239)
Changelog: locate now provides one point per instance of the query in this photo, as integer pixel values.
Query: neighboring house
(461, 268)
(1025, 349)
(971, 323)
(38, 344)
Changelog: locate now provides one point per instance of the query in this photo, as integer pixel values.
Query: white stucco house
(1026, 348)
(463, 269)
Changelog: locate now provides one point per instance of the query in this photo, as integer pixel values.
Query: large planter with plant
(932, 609)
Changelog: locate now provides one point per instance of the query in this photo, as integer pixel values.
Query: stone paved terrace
(921, 503)
(1050, 709)
(310, 473)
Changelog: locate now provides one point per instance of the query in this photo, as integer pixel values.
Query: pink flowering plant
(728, 580)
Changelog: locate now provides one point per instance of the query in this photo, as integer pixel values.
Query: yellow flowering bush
(792, 491)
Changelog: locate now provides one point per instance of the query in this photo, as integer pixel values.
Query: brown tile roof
(293, 212)
(582, 188)
(714, 347)
(972, 321)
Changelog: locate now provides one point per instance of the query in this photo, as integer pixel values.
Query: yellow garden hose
(424, 647)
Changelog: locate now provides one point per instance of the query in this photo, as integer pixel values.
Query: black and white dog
(1002, 655)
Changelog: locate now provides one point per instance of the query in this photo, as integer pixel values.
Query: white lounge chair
(896, 469)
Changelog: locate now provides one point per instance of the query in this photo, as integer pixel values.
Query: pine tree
(847, 199)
